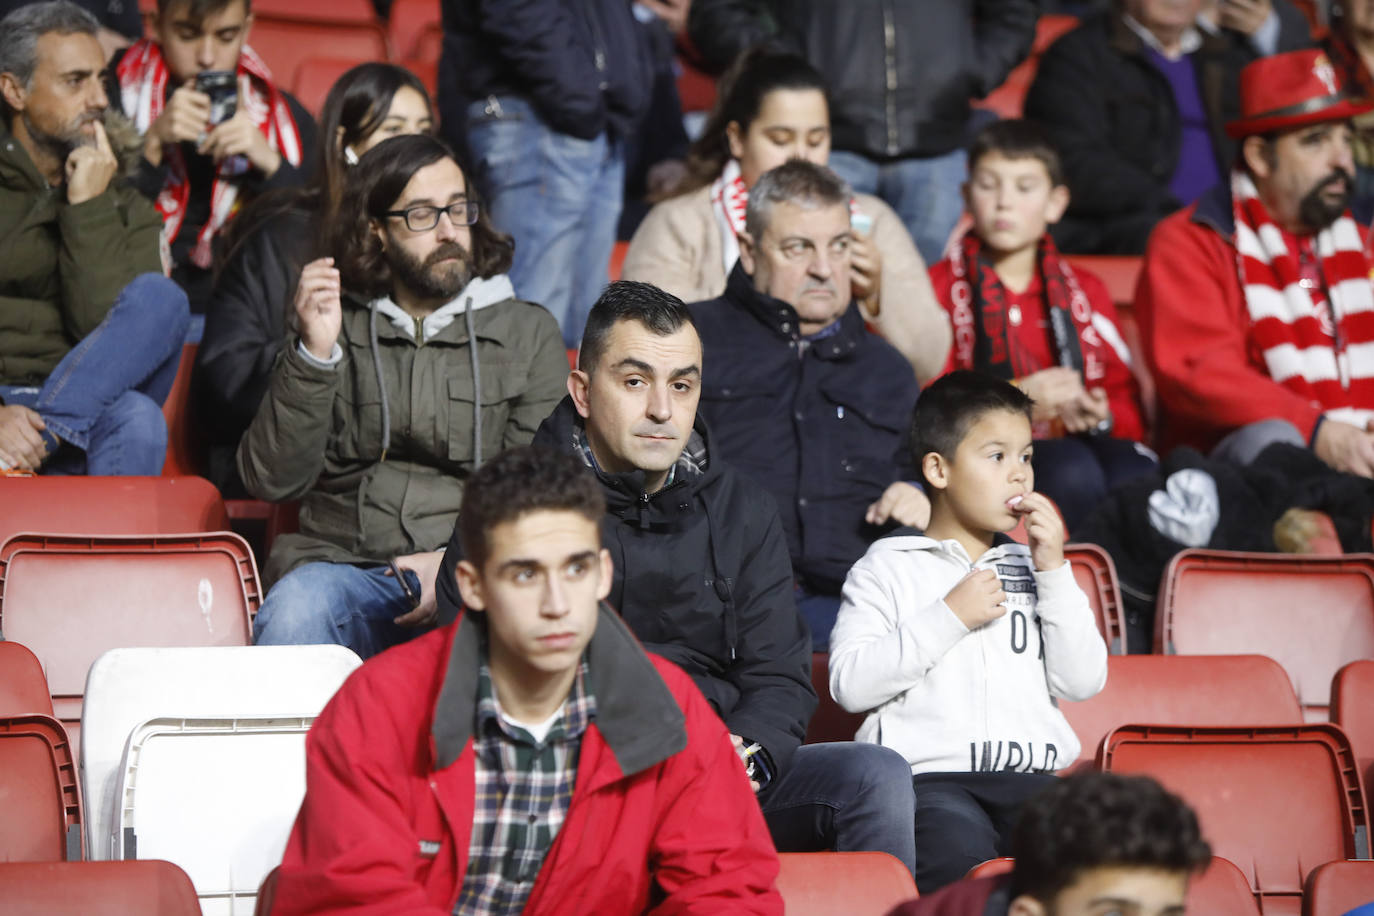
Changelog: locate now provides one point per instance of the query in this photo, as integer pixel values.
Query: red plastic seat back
(69, 599)
(1310, 614)
(830, 721)
(407, 22)
(854, 883)
(1337, 888)
(991, 868)
(1221, 889)
(1352, 708)
(185, 449)
(1095, 573)
(1277, 801)
(281, 40)
(315, 76)
(1183, 690)
(145, 887)
(110, 505)
(23, 687)
(38, 786)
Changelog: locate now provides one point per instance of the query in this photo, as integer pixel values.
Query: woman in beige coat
(772, 108)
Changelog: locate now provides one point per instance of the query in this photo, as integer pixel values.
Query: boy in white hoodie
(955, 643)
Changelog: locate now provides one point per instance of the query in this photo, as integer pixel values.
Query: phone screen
(223, 89)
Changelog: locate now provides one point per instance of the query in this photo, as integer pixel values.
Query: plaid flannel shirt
(523, 790)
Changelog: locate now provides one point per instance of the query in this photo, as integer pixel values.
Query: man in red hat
(1256, 304)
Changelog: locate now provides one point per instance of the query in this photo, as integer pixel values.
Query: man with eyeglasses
(411, 362)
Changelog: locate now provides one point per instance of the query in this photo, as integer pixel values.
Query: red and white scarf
(730, 201)
(143, 76)
(1324, 351)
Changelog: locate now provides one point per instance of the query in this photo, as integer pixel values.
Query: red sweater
(681, 833)
(1033, 337)
(1195, 326)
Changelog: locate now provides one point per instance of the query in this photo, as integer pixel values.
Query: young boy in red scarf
(1022, 314)
(203, 159)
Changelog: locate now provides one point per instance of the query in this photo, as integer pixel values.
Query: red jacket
(1195, 326)
(662, 818)
(1123, 394)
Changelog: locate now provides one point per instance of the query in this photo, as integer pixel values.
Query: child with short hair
(1021, 313)
(956, 642)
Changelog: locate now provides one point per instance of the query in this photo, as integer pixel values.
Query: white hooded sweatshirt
(954, 700)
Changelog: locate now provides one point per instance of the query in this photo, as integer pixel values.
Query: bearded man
(411, 362)
(1256, 304)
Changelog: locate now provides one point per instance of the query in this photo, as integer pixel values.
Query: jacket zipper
(419, 330)
(890, 54)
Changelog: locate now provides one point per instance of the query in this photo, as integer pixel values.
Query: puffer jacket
(62, 265)
(901, 73)
(378, 446)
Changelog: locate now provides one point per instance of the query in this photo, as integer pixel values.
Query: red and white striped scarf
(730, 201)
(1322, 351)
(143, 76)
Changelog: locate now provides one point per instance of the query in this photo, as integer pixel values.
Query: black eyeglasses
(425, 218)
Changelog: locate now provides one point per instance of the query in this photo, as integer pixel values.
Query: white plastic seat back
(128, 687)
(217, 797)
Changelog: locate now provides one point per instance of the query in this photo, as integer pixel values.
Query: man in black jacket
(1136, 100)
(803, 399)
(702, 575)
(901, 78)
(542, 94)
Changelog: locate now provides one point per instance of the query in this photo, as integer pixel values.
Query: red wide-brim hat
(1289, 90)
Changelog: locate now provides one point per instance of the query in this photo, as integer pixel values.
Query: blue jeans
(819, 611)
(924, 192)
(558, 196)
(847, 796)
(335, 603)
(104, 399)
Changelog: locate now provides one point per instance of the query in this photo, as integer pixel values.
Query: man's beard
(428, 279)
(1316, 211)
(60, 145)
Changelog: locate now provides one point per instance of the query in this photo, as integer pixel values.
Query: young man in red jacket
(530, 758)
(1254, 304)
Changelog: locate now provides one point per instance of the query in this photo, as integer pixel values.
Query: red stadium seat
(1118, 272)
(23, 686)
(617, 264)
(1095, 573)
(280, 42)
(135, 888)
(315, 76)
(110, 505)
(830, 721)
(991, 868)
(42, 798)
(1352, 708)
(1221, 889)
(1311, 614)
(1337, 888)
(185, 451)
(408, 21)
(854, 883)
(69, 599)
(335, 12)
(1278, 800)
(1183, 690)
(696, 89)
(1008, 99)
(428, 71)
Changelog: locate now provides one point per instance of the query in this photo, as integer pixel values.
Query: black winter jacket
(824, 429)
(702, 579)
(1114, 120)
(583, 64)
(901, 73)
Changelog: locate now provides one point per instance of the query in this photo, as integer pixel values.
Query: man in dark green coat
(90, 329)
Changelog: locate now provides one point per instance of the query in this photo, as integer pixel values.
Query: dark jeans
(104, 399)
(1078, 471)
(819, 611)
(847, 796)
(966, 818)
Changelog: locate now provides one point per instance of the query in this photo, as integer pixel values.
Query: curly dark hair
(520, 480)
(1101, 820)
(374, 185)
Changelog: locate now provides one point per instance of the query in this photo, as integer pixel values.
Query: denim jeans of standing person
(558, 196)
(924, 192)
(102, 404)
(337, 604)
(843, 795)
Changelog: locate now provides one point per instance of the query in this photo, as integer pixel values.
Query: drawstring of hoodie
(381, 381)
(476, 387)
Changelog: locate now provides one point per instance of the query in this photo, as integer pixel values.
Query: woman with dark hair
(248, 314)
(772, 107)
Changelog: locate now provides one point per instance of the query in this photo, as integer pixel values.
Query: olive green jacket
(318, 434)
(62, 265)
